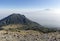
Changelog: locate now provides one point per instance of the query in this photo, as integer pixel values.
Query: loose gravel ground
(29, 35)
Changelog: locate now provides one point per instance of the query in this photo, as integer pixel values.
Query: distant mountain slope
(19, 19)
(14, 19)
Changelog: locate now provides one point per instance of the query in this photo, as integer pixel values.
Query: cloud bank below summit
(45, 17)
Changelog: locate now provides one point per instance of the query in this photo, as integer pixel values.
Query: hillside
(20, 22)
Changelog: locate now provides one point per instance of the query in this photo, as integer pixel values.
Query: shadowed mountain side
(14, 19)
(27, 24)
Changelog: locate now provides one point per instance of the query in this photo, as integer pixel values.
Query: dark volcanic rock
(14, 19)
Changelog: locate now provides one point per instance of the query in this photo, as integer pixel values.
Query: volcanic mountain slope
(20, 22)
(14, 19)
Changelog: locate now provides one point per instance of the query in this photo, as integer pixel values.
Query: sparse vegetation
(17, 28)
(17, 22)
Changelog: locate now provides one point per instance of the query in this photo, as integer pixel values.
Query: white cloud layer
(46, 17)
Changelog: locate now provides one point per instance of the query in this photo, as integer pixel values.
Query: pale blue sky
(26, 4)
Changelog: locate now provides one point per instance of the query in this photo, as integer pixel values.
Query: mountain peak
(21, 20)
(14, 19)
(17, 15)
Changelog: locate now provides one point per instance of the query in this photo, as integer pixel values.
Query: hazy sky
(19, 6)
(28, 4)
(45, 12)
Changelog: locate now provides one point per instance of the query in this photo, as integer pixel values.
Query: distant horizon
(45, 12)
(43, 17)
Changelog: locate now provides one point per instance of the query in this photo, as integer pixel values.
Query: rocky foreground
(29, 35)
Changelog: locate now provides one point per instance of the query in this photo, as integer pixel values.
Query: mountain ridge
(16, 18)
(22, 20)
